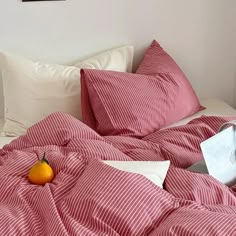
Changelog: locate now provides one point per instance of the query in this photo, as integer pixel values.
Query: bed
(152, 118)
(89, 197)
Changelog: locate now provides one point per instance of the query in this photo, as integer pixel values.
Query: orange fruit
(41, 173)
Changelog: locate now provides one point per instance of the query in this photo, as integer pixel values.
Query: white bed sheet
(4, 140)
(214, 107)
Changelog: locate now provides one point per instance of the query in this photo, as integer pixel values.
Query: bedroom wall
(234, 46)
(198, 34)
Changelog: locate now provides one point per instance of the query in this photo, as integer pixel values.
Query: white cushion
(155, 171)
(33, 90)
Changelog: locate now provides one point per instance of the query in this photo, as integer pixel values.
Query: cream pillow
(155, 171)
(33, 90)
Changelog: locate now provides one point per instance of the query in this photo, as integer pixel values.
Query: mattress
(214, 107)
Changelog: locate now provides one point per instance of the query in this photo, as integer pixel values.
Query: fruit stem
(44, 159)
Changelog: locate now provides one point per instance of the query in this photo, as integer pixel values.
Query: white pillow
(155, 171)
(33, 90)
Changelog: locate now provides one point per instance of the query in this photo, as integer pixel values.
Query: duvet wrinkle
(88, 197)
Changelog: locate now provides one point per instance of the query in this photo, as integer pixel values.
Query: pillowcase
(33, 90)
(115, 103)
(155, 171)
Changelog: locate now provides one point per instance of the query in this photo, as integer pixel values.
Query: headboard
(193, 32)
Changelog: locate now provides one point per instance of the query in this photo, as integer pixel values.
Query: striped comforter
(88, 197)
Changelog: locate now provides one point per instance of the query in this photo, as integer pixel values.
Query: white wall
(198, 34)
(234, 43)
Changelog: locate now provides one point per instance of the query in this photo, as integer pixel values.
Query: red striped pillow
(157, 61)
(115, 103)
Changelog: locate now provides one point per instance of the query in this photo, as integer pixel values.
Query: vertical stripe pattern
(88, 197)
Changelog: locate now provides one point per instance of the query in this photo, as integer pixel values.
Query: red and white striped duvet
(88, 197)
